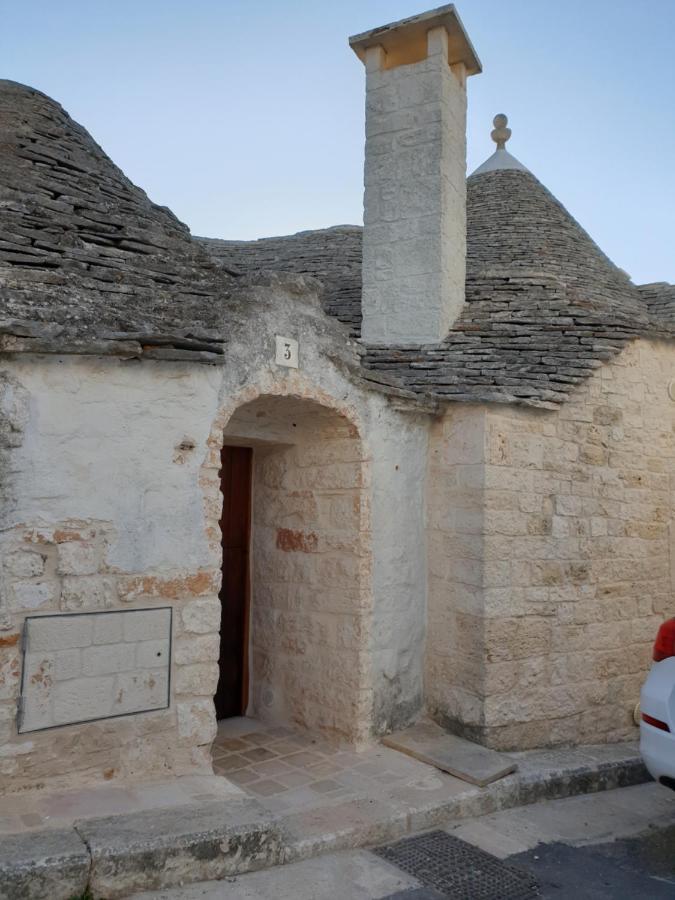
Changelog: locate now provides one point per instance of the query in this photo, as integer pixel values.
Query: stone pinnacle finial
(501, 133)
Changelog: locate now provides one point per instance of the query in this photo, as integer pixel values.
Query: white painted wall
(104, 507)
(99, 444)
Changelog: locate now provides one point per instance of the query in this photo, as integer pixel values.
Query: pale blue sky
(246, 118)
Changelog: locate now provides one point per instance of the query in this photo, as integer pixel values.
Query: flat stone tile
(324, 769)
(232, 762)
(266, 788)
(286, 746)
(294, 779)
(304, 759)
(227, 745)
(271, 767)
(431, 744)
(258, 754)
(243, 776)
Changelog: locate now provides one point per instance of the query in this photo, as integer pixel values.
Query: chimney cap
(406, 40)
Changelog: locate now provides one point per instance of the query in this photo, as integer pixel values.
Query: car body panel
(657, 700)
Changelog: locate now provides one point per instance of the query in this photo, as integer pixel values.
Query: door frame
(246, 627)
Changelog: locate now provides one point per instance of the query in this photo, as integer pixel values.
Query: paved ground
(289, 771)
(616, 845)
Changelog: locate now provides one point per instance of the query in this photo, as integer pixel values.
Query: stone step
(119, 855)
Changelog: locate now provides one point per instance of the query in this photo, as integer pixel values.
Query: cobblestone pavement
(616, 845)
(288, 771)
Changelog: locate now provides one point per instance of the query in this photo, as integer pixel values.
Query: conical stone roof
(86, 259)
(544, 305)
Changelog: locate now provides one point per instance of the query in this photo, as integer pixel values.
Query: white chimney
(414, 238)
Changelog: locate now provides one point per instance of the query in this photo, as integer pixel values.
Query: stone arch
(311, 597)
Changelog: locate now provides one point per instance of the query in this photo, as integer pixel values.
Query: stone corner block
(43, 865)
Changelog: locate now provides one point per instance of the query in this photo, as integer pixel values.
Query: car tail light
(657, 723)
(664, 645)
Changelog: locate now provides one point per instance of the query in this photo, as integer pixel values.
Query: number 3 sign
(286, 352)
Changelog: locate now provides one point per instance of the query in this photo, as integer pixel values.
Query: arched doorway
(296, 568)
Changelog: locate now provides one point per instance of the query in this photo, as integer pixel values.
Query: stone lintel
(405, 42)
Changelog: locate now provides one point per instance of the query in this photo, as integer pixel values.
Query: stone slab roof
(660, 299)
(87, 262)
(331, 254)
(544, 306)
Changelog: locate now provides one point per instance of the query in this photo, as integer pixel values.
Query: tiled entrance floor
(288, 771)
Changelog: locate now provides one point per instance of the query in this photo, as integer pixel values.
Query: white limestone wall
(414, 239)
(108, 514)
(551, 558)
(398, 477)
(110, 500)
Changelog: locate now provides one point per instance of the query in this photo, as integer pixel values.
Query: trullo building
(340, 479)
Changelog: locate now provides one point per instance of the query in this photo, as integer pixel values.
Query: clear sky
(246, 118)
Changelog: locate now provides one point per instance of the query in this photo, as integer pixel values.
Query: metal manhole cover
(459, 870)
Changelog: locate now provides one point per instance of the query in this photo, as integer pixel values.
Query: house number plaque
(286, 352)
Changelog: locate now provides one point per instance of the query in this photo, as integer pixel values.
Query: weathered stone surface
(196, 720)
(177, 846)
(332, 255)
(452, 754)
(161, 848)
(550, 558)
(414, 240)
(43, 864)
(544, 306)
(87, 262)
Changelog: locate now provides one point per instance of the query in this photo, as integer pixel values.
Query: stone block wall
(574, 570)
(311, 607)
(39, 566)
(414, 237)
(455, 652)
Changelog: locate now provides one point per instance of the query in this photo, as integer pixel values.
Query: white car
(657, 709)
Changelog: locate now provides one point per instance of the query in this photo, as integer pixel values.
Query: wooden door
(235, 524)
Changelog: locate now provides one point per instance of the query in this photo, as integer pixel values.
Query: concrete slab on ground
(356, 875)
(586, 819)
(431, 744)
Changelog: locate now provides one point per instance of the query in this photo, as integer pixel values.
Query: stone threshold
(167, 847)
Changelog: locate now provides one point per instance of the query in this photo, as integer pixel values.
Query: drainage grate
(459, 870)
